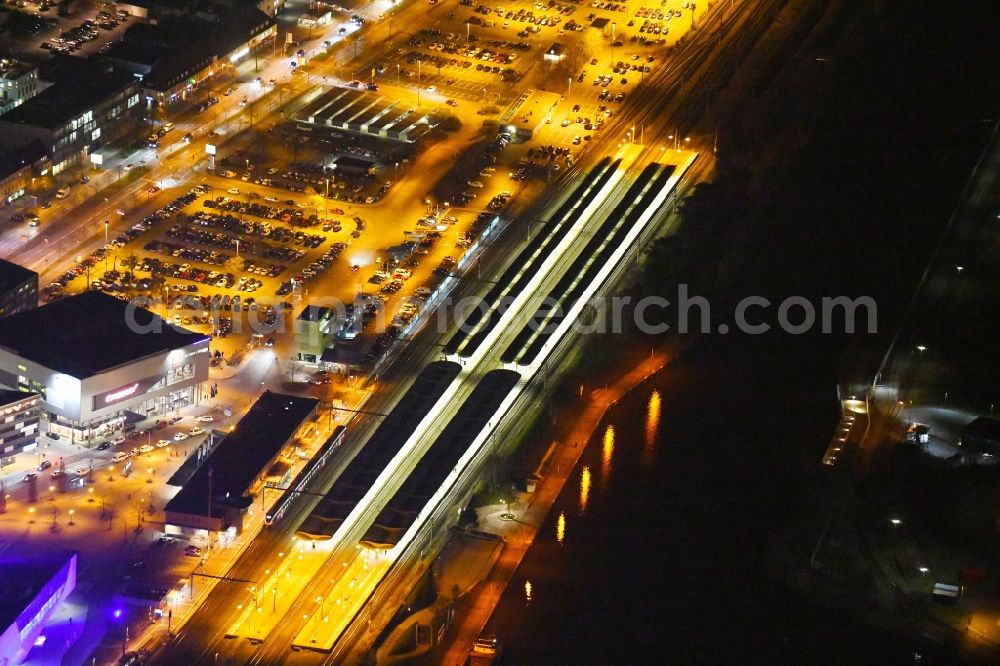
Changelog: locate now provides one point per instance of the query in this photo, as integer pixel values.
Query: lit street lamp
(677, 139)
(614, 26)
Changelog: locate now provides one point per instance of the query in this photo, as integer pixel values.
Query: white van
(121, 456)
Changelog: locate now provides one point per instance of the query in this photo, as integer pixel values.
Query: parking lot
(224, 263)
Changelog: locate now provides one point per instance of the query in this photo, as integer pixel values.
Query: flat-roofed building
(216, 497)
(87, 105)
(313, 332)
(31, 590)
(15, 178)
(18, 288)
(100, 364)
(19, 414)
(182, 55)
(18, 83)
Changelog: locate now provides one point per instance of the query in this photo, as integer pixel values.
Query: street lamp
(71, 512)
(614, 26)
(677, 138)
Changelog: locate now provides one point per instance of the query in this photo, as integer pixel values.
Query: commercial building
(158, 10)
(18, 83)
(315, 17)
(313, 332)
(182, 55)
(555, 53)
(30, 591)
(15, 177)
(19, 412)
(981, 438)
(528, 113)
(353, 167)
(88, 104)
(220, 493)
(100, 364)
(18, 288)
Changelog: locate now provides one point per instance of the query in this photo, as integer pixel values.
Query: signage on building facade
(123, 393)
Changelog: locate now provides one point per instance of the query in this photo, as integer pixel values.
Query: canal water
(660, 548)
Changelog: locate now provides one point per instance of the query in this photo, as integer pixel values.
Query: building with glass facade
(30, 591)
(101, 364)
(19, 414)
(87, 105)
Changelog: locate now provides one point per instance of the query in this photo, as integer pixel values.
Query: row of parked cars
(74, 38)
(235, 225)
(221, 240)
(316, 268)
(291, 214)
(186, 272)
(57, 288)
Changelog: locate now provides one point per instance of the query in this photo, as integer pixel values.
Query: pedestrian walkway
(474, 609)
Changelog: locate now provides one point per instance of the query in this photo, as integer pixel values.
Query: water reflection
(606, 451)
(584, 488)
(561, 527)
(652, 427)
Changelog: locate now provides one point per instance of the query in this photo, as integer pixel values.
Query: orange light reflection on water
(584, 488)
(652, 426)
(606, 452)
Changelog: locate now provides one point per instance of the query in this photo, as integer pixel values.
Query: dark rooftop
(314, 313)
(348, 162)
(181, 45)
(137, 50)
(9, 396)
(244, 453)
(21, 580)
(14, 275)
(78, 88)
(12, 161)
(90, 333)
(984, 427)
